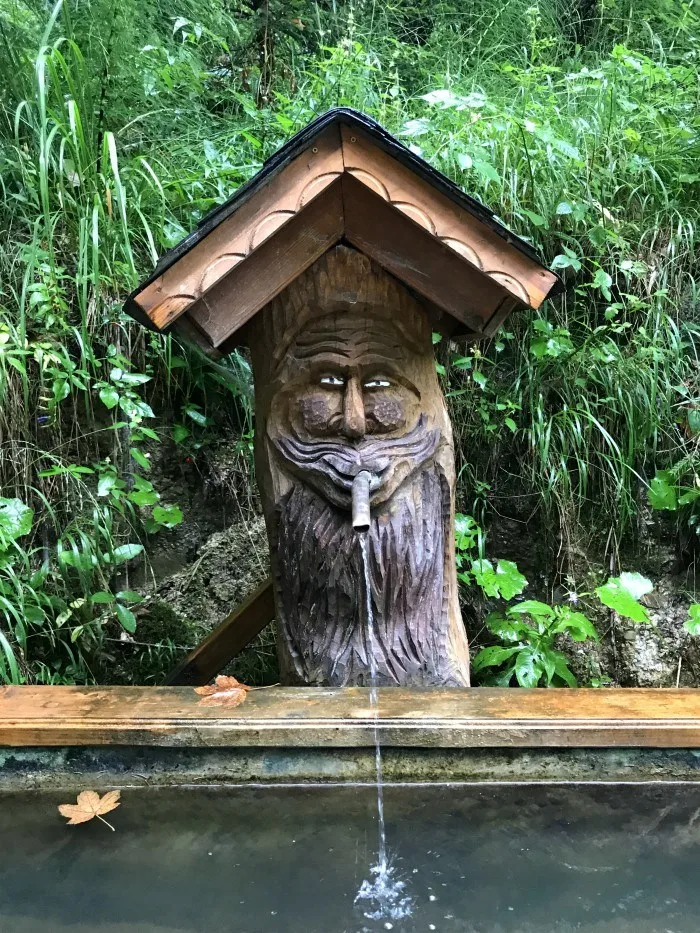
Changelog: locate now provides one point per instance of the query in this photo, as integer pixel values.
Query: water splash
(384, 891)
(384, 894)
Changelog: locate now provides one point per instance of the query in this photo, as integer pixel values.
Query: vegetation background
(125, 469)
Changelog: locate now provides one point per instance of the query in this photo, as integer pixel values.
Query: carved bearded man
(346, 382)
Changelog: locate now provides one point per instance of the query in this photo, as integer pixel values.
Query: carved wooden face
(351, 398)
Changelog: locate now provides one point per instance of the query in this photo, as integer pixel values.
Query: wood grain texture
(227, 640)
(278, 261)
(269, 208)
(346, 384)
(461, 232)
(342, 717)
(410, 253)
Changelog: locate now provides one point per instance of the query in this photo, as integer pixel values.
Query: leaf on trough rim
(225, 691)
(90, 805)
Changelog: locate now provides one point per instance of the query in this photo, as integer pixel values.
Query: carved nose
(354, 424)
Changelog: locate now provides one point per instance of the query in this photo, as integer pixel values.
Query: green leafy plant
(499, 580)
(622, 595)
(528, 654)
(529, 631)
(692, 623)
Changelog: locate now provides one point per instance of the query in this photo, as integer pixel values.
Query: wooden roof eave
(343, 186)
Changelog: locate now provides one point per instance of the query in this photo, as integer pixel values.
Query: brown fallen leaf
(225, 691)
(90, 805)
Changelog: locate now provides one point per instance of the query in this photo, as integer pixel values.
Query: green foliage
(122, 124)
(678, 490)
(692, 623)
(529, 630)
(504, 581)
(501, 580)
(622, 595)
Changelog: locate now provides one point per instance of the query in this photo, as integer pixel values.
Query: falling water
(384, 893)
(374, 704)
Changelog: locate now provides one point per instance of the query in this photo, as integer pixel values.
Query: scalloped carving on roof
(343, 179)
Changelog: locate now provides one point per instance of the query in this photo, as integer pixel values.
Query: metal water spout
(361, 487)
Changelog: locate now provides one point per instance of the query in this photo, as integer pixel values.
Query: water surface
(476, 859)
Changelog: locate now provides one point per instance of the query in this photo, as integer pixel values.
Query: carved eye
(377, 384)
(335, 381)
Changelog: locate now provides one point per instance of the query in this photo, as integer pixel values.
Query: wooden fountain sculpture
(335, 264)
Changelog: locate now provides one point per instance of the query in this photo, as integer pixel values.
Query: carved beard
(323, 605)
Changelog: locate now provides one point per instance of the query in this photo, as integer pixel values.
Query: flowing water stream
(382, 896)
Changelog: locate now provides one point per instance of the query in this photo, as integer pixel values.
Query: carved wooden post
(335, 263)
(345, 382)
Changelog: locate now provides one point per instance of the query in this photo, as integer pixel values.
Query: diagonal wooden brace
(227, 640)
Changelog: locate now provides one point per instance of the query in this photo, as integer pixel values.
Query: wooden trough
(106, 736)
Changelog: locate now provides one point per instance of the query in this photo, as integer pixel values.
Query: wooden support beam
(227, 640)
(317, 717)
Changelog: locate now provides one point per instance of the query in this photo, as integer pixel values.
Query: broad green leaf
(510, 581)
(537, 219)
(102, 598)
(15, 519)
(618, 597)
(134, 379)
(662, 491)
(109, 397)
(106, 484)
(576, 624)
(636, 584)
(562, 669)
(567, 260)
(528, 667)
(692, 623)
(492, 656)
(503, 581)
(487, 171)
(129, 596)
(180, 433)
(143, 497)
(603, 281)
(168, 516)
(127, 619)
(196, 415)
(140, 458)
(127, 552)
(466, 532)
(465, 161)
(534, 608)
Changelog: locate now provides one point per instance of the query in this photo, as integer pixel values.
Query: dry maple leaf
(90, 805)
(225, 691)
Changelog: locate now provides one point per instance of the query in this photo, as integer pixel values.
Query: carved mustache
(342, 460)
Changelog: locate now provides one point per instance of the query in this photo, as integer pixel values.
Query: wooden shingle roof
(343, 179)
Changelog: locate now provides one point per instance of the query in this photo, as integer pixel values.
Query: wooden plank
(268, 209)
(227, 640)
(336, 717)
(456, 228)
(414, 256)
(271, 267)
(505, 309)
